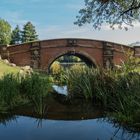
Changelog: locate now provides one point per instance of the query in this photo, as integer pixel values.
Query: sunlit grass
(5, 69)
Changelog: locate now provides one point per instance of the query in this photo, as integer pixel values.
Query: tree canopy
(29, 33)
(16, 36)
(112, 12)
(5, 32)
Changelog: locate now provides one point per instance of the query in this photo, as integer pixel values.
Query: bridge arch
(90, 61)
(41, 54)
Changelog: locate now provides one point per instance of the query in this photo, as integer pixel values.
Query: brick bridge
(41, 54)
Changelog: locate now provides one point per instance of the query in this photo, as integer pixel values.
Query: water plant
(36, 89)
(17, 90)
(117, 91)
(9, 90)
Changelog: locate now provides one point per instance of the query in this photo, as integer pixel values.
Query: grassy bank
(17, 90)
(5, 69)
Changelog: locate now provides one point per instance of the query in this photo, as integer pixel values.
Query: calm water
(62, 122)
(27, 128)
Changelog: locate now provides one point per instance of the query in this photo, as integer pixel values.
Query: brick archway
(41, 54)
(84, 56)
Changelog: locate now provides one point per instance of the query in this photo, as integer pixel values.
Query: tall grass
(9, 91)
(16, 90)
(126, 103)
(91, 84)
(36, 89)
(117, 91)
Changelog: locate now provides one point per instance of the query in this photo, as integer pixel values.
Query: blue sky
(54, 19)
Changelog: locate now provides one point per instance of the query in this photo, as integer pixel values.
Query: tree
(29, 33)
(113, 12)
(16, 36)
(5, 32)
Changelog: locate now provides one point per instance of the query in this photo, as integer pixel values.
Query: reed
(9, 90)
(117, 91)
(36, 89)
(16, 90)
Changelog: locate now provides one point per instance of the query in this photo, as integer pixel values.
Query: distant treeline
(16, 36)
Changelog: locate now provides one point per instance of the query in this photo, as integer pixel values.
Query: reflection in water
(62, 122)
(6, 118)
(119, 132)
(39, 123)
(27, 128)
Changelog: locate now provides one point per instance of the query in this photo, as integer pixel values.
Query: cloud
(118, 36)
(58, 31)
(136, 24)
(14, 18)
(53, 19)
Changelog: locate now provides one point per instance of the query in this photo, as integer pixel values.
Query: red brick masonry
(41, 54)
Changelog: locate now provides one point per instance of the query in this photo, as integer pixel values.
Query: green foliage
(78, 82)
(69, 58)
(127, 98)
(9, 90)
(89, 84)
(57, 71)
(5, 32)
(113, 12)
(36, 88)
(56, 68)
(16, 91)
(117, 91)
(29, 33)
(131, 64)
(16, 36)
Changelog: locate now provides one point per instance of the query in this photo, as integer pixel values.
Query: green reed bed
(36, 88)
(116, 91)
(9, 91)
(16, 91)
(127, 104)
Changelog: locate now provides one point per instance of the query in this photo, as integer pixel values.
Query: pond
(29, 128)
(62, 122)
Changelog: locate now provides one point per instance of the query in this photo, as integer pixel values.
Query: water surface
(62, 121)
(27, 128)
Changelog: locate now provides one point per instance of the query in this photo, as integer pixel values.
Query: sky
(55, 18)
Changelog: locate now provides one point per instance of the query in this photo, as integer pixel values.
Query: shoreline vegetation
(116, 91)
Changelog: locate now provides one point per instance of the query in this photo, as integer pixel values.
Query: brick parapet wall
(41, 54)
